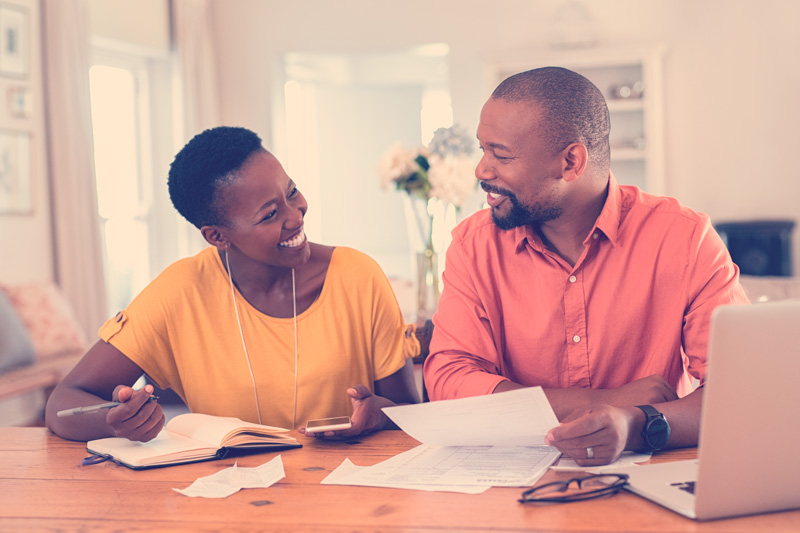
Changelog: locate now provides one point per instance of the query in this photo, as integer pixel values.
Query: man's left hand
(593, 436)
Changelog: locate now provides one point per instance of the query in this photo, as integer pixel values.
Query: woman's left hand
(367, 415)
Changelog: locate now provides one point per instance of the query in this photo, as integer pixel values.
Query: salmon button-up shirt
(637, 302)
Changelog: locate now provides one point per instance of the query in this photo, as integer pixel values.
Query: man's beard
(523, 215)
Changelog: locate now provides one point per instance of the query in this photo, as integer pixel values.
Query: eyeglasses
(586, 488)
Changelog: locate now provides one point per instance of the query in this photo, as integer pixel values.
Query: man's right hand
(137, 418)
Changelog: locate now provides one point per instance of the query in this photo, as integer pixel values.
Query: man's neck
(566, 234)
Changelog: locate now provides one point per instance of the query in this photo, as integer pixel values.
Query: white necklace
(244, 345)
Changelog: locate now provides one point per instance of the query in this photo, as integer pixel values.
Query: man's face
(518, 171)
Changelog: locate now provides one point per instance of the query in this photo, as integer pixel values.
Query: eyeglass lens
(576, 488)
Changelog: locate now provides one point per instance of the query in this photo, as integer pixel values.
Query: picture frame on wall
(15, 173)
(13, 41)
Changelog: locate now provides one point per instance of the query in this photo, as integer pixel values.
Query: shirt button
(577, 338)
(595, 236)
(573, 279)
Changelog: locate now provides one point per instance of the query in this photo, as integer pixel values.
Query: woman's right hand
(138, 417)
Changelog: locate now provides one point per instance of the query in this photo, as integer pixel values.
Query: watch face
(658, 432)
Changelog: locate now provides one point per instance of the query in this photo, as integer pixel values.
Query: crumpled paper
(232, 480)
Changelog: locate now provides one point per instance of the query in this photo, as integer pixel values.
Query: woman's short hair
(207, 160)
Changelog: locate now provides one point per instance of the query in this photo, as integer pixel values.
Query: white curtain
(76, 229)
(196, 66)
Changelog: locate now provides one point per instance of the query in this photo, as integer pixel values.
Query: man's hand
(367, 415)
(603, 428)
(137, 418)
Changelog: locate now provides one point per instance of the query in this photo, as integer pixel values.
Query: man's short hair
(574, 108)
(207, 160)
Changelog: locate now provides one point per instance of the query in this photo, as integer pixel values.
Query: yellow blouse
(182, 331)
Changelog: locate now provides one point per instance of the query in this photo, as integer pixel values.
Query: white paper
(626, 459)
(343, 472)
(231, 480)
(458, 466)
(515, 418)
(469, 445)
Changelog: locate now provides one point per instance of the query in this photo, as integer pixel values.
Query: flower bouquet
(437, 179)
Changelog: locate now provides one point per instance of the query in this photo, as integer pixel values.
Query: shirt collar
(611, 214)
(608, 221)
(525, 234)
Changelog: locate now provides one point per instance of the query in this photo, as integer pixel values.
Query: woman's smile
(294, 242)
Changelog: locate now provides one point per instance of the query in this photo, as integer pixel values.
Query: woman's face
(265, 211)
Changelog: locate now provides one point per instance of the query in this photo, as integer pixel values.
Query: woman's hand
(367, 415)
(138, 417)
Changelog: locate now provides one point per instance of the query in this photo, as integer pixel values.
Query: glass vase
(427, 284)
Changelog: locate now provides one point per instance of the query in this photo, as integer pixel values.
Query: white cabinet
(630, 79)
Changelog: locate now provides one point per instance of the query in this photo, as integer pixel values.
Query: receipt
(232, 480)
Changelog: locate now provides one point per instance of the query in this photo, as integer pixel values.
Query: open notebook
(190, 438)
(748, 460)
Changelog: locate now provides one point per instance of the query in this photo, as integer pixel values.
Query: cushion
(48, 318)
(16, 347)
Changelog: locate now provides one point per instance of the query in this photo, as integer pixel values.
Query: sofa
(40, 342)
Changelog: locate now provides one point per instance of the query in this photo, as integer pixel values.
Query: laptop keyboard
(688, 486)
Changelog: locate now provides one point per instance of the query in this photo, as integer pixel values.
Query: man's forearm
(651, 390)
(683, 416)
(563, 401)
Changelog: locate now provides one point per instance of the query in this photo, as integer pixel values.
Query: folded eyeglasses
(576, 489)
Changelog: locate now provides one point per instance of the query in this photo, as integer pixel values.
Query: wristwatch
(656, 429)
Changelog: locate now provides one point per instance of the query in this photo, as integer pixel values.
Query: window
(130, 101)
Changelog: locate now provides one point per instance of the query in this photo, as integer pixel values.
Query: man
(599, 293)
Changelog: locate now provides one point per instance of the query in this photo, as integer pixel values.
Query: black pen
(94, 408)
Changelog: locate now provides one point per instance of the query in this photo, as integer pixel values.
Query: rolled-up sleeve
(463, 360)
(713, 281)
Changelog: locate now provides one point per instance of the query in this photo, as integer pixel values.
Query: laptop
(749, 450)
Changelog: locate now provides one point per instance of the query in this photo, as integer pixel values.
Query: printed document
(520, 417)
(469, 445)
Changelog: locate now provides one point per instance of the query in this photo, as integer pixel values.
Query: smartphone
(328, 424)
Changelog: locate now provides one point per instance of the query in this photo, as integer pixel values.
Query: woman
(263, 325)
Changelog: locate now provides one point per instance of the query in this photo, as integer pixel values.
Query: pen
(94, 408)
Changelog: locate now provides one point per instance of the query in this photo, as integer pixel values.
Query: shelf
(639, 117)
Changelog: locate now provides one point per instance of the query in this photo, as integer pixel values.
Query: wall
(27, 254)
(27, 251)
(731, 75)
(731, 79)
(140, 23)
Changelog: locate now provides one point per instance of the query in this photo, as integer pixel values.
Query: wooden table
(44, 487)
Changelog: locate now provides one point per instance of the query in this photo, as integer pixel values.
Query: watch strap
(651, 414)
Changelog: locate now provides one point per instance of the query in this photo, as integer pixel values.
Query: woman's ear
(575, 159)
(215, 237)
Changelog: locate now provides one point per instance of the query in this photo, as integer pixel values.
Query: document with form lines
(468, 445)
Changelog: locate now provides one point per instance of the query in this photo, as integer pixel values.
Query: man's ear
(574, 161)
(215, 237)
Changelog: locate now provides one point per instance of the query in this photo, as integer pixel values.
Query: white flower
(398, 163)
(451, 141)
(452, 177)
